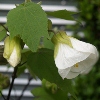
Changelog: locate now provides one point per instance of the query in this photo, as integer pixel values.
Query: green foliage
(63, 14)
(88, 86)
(91, 15)
(3, 32)
(23, 65)
(49, 91)
(49, 24)
(4, 81)
(3, 61)
(42, 64)
(30, 22)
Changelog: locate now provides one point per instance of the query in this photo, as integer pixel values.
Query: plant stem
(25, 88)
(4, 27)
(13, 78)
(2, 95)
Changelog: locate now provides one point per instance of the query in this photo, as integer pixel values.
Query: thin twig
(2, 95)
(23, 63)
(19, 98)
(4, 27)
(13, 78)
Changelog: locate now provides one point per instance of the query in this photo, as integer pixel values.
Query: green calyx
(60, 38)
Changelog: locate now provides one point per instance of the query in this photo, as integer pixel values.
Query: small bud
(12, 50)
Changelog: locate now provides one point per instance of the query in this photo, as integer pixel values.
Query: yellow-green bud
(12, 50)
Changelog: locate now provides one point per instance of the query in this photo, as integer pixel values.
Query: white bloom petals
(75, 60)
(83, 65)
(64, 72)
(67, 56)
(72, 75)
(82, 46)
(14, 58)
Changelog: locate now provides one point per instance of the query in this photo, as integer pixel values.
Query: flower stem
(4, 27)
(13, 78)
(2, 95)
(30, 78)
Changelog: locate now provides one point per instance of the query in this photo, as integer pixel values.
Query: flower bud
(12, 50)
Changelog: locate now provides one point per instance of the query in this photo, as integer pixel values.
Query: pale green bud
(60, 38)
(12, 50)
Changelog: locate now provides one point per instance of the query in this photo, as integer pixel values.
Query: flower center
(76, 65)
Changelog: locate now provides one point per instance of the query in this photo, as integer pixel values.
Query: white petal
(14, 59)
(72, 75)
(83, 65)
(68, 56)
(66, 73)
(83, 47)
(63, 72)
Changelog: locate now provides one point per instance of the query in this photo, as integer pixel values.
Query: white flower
(73, 57)
(12, 50)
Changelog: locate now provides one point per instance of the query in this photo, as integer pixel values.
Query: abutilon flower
(12, 50)
(73, 57)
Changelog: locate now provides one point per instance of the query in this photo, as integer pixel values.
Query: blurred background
(87, 28)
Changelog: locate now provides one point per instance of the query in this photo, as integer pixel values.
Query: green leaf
(3, 33)
(42, 64)
(23, 65)
(24, 55)
(30, 22)
(46, 43)
(3, 61)
(4, 81)
(49, 24)
(43, 95)
(63, 14)
(49, 91)
(21, 70)
(1, 26)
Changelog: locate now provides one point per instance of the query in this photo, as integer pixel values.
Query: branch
(25, 88)
(2, 95)
(4, 27)
(13, 78)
